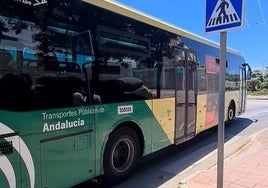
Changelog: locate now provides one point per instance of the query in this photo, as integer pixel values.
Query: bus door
(242, 89)
(185, 94)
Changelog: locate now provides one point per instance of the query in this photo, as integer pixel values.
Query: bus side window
(16, 93)
(5, 59)
(58, 90)
(201, 79)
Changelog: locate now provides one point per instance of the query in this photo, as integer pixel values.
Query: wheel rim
(230, 114)
(122, 155)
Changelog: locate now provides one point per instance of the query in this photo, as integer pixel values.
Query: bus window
(118, 79)
(5, 59)
(122, 42)
(43, 72)
(201, 79)
(121, 71)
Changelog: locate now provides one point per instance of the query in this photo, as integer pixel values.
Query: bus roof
(140, 16)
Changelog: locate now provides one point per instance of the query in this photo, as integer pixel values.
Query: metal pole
(221, 110)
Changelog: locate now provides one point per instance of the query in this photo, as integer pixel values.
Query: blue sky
(251, 40)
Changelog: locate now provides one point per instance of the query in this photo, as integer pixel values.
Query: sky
(251, 40)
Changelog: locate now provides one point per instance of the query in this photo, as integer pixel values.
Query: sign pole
(221, 106)
(221, 16)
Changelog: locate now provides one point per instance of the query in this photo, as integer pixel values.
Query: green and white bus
(89, 87)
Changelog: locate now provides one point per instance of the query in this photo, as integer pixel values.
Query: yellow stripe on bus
(164, 112)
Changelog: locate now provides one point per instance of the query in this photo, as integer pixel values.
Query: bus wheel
(231, 112)
(121, 155)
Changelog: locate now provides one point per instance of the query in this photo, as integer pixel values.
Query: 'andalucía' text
(61, 125)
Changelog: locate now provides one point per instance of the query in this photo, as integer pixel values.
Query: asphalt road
(176, 163)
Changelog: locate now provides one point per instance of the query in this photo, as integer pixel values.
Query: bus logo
(22, 149)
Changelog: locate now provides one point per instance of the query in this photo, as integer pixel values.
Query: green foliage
(259, 93)
(264, 85)
(258, 82)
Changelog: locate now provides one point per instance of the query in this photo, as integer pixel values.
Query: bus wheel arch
(122, 153)
(231, 111)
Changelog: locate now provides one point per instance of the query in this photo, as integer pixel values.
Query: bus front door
(185, 94)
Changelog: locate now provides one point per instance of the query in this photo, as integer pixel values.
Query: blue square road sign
(224, 15)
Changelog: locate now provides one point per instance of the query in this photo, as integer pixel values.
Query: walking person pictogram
(222, 7)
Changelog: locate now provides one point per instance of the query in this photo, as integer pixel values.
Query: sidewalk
(247, 168)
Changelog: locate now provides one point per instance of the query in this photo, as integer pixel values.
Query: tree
(255, 83)
(264, 84)
(259, 81)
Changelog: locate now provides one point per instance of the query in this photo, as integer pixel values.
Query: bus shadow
(203, 144)
(158, 168)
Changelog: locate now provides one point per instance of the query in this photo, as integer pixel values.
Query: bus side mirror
(249, 71)
(249, 74)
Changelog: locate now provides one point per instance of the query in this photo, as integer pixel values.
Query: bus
(89, 87)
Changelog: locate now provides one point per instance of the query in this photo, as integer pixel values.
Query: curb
(250, 97)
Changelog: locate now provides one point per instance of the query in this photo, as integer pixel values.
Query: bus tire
(121, 154)
(231, 112)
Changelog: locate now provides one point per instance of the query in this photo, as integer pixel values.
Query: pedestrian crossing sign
(223, 15)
